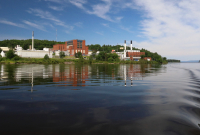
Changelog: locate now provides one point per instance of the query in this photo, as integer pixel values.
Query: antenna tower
(56, 35)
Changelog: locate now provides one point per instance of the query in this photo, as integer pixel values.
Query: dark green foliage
(142, 56)
(90, 59)
(1, 58)
(155, 56)
(16, 58)
(10, 54)
(173, 60)
(46, 57)
(62, 54)
(111, 57)
(78, 55)
(101, 56)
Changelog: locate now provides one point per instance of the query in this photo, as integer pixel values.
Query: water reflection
(73, 75)
(163, 99)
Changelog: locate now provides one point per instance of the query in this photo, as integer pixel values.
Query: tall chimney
(131, 45)
(32, 40)
(124, 48)
(124, 44)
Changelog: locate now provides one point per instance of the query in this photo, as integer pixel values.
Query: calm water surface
(100, 99)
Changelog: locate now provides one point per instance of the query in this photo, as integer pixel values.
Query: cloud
(11, 23)
(126, 29)
(78, 24)
(47, 15)
(56, 8)
(56, 1)
(172, 27)
(78, 3)
(101, 9)
(100, 33)
(34, 25)
(106, 25)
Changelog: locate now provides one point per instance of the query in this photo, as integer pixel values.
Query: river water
(100, 99)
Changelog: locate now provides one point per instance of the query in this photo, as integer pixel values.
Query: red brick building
(133, 55)
(148, 58)
(72, 46)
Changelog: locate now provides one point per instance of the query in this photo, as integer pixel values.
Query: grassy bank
(69, 61)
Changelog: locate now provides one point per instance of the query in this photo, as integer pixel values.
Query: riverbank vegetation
(103, 57)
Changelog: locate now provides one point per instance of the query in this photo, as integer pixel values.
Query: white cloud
(78, 24)
(47, 15)
(100, 33)
(56, 8)
(126, 29)
(78, 3)
(11, 23)
(101, 9)
(40, 27)
(172, 27)
(106, 25)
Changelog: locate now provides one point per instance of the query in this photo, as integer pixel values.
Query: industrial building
(72, 47)
(130, 54)
(32, 53)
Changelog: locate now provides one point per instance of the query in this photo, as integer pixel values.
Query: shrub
(46, 57)
(10, 54)
(77, 55)
(16, 58)
(1, 58)
(90, 59)
(110, 59)
(62, 54)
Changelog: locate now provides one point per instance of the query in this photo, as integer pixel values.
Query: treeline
(108, 48)
(173, 60)
(154, 56)
(118, 48)
(38, 44)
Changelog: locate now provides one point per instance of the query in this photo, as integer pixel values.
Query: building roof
(4, 49)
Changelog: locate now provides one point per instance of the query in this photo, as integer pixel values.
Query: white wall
(33, 54)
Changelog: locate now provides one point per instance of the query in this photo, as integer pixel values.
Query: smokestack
(32, 40)
(124, 48)
(124, 44)
(131, 45)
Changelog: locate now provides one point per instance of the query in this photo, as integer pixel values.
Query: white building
(34, 53)
(3, 54)
(18, 47)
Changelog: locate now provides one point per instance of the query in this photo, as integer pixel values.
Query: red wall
(63, 47)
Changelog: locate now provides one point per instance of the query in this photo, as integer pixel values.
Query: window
(79, 44)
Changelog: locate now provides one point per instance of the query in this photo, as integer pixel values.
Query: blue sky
(169, 27)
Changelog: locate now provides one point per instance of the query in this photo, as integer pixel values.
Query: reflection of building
(27, 72)
(72, 46)
(72, 75)
(131, 71)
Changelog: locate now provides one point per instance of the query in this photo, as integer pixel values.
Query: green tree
(142, 56)
(62, 54)
(78, 55)
(46, 57)
(10, 54)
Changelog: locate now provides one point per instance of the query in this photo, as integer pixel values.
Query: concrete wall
(34, 54)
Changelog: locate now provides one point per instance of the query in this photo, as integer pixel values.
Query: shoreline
(71, 61)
